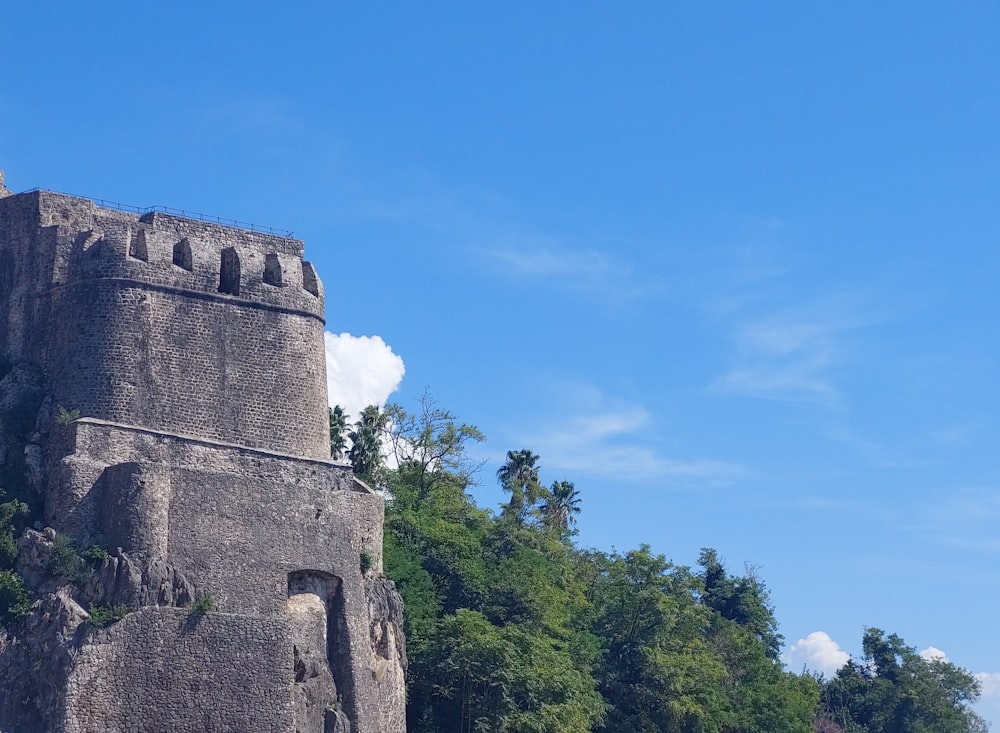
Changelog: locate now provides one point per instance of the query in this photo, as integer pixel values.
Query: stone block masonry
(248, 563)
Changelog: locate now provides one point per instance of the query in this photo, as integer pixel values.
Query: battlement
(158, 320)
(89, 241)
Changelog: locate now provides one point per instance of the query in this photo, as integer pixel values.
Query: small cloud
(610, 438)
(586, 271)
(932, 654)
(786, 359)
(989, 684)
(817, 652)
(548, 263)
(360, 371)
(965, 519)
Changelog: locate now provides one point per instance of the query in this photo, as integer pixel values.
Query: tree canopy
(511, 627)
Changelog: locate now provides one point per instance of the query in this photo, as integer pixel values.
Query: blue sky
(730, 267)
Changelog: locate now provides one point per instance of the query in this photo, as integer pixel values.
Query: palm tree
(560, 511)
(366, 443)
(338, 426)
(519, 476)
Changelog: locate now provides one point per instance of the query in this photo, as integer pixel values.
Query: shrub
(65, 417)
(101, 616)
(94, 555)
(14, 599)
(65, 563)
(203, 605)
(10, 512)
(367, 561)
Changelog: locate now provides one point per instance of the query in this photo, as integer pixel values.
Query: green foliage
(442, 528)
(366, 561)
(102, 616)
(366, 448)
(65, 562)
(744, 601)
(894, 690)
(94, 555)
(203, 605)
(10, 514)
(656, 669)
(519, 476)
(510, 628)
(416, 586)
(560, 508)
(65, 417)
(338, 433)
(504, 678)
(15, 602)
(430, 445)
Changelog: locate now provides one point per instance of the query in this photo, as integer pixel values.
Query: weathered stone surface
(123, 581)
(194, 355)
(388, 645)
(36, 659)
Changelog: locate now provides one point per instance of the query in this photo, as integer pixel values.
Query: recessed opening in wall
(137, 246)
(321, 639)
(229, 272)
(272, 270)
(309, 280)
(182, 255)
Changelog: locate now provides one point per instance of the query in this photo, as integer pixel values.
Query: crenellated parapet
(175, 252)
(166, 322)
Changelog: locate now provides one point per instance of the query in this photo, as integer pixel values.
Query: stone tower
(248, 563)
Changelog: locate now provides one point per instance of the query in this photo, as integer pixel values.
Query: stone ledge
(98, 423)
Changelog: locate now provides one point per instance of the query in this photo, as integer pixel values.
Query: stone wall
(249, 564)
(236, 521)
(127, 335)
(259, 534)
(166, 669)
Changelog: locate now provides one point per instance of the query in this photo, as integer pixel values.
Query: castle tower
(193, 354)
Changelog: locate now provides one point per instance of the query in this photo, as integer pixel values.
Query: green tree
(744, 600)
(656, 671)
(894, 690)
(338, 433)
(560, 509)
(762, 696)
(503, 679)
(12, 514)
(430, 444)
(519, 476)
(366, 446)
(15, 601)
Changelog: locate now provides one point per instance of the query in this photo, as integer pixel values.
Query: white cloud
(932, 653)
(797, 350)
(964, 518)
(818, 652)
(586, 271)
(785, 358)
(548, 262)
(990, 682)
(607, 437)
(360, 371)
